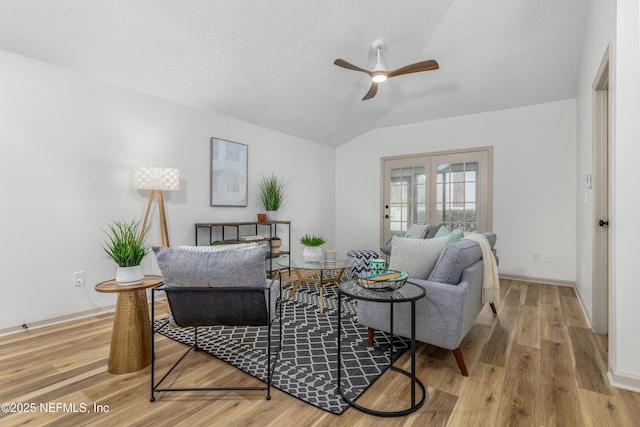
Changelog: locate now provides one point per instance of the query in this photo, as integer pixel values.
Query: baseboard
(624, 381)
(39, 324)
(587, 316)
(542, 280)
(553, 282)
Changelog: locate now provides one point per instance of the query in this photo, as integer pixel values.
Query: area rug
(307, 366)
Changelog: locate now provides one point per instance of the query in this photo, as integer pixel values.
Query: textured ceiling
(271, 62)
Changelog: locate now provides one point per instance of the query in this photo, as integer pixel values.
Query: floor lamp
(157, 179)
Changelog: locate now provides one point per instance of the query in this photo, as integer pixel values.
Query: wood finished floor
(535, 364)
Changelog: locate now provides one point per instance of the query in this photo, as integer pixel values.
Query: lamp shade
(156, 178)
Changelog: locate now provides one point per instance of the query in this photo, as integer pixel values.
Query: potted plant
(276, 242)
(125, 246)
(272, 195)
(312, 251)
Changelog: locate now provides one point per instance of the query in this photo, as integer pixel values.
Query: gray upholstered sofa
(453, 300)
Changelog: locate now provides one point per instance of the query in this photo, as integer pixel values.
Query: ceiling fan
(379, 75)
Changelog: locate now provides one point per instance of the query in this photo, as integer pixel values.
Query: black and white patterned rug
(307, 366)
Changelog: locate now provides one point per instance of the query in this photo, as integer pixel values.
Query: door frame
(485, 176)
(417, 159)
(601, 277)
(489, 177)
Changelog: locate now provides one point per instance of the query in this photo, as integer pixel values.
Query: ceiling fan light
(379, 77)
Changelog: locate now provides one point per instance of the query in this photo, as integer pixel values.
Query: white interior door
(601, 199)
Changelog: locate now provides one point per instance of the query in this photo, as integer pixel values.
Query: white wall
(599, 31)
(533, 181)
(68, 146)
(615, 24)
(624, 358)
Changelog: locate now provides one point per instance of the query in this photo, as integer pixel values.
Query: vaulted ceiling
(271, 62)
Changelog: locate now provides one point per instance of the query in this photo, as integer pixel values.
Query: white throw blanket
(490, 281)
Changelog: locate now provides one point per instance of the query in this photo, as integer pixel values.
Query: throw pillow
(432, 230)
(417, 257)
(416, 231)
(218, 248)
(442, 232)
(456, 235)
(212, 269)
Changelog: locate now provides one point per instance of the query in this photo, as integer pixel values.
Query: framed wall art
(229, 164)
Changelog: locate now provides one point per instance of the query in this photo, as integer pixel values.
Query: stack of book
(256, 237)
(330, 256)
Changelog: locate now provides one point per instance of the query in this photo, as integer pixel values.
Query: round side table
(131, 337)
(407, 293)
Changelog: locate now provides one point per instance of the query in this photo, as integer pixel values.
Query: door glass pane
(456, 192)
(407, 198)
(470, 190)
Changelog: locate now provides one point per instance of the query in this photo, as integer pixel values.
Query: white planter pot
(272, 215)
(129, 275)
(312, 253)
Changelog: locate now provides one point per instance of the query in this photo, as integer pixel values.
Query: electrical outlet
(78, 279)
(546, 257)
(535, 256)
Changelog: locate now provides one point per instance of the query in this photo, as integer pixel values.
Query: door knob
(603, 223)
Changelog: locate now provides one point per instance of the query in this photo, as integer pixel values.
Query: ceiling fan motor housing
(379, 74)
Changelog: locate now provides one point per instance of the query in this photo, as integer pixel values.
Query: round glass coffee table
(409, 292)
(305, 270)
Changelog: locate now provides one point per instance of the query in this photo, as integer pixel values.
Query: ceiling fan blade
(428, 65)
(344, 64)
(372, 91)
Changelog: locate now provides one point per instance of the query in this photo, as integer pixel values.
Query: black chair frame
(217, 311)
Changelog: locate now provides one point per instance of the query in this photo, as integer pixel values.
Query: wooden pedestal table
(131, 337)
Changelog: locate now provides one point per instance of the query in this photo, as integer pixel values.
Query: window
(454, 188)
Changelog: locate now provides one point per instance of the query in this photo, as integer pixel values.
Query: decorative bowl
(390, 280)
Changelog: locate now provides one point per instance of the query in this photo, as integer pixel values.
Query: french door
(453, 188)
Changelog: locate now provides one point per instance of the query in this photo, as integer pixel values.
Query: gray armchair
(453, 301)
(226, 288)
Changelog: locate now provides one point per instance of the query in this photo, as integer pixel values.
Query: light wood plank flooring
(535, 364)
